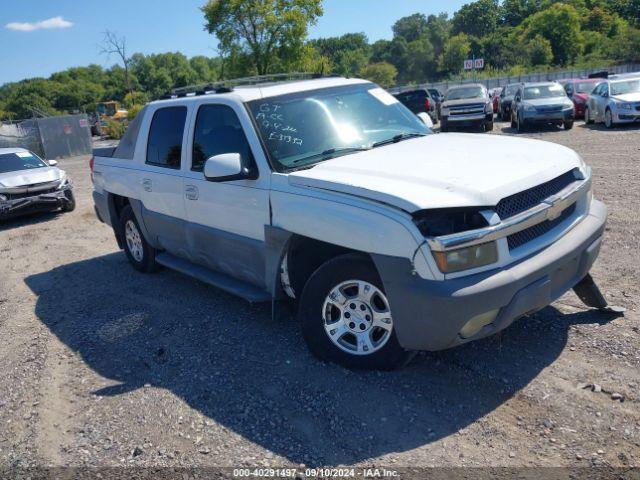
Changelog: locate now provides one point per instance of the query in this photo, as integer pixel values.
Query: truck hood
(22, 178)
(442, 170)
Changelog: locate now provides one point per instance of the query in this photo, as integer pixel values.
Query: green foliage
(410, 28)
(384, 74)
(115, 130)
(560, 25)
(477, 18)
(456, 50)
(133, 111)
(260, 29)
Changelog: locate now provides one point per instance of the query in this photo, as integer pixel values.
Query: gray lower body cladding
(428, 315)
(36, 203)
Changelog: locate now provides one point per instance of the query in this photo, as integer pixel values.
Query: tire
(568, 125)
(513, 122)
(70, 204)
(444, 124)
(587, 116)
(488, 126)
(608, 118)
(140, 254)
(520, 124)
(349, 277)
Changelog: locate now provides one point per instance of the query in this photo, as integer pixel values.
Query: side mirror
(226, 167)
(426, 119)
(52, 163)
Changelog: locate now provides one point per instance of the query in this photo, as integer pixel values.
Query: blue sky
(39, 37)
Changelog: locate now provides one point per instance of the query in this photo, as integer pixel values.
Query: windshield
(12, 162)
(305, 128)
(585, 87)
(544, 91)
(511, 90)
(466, 92)
(622, 88)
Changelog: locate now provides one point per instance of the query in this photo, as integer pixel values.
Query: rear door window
(164, 145)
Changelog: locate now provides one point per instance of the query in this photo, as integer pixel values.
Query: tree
(347, 53)
(410, 28)
(421, 61)
(456, 51)
(477, 18)
(260, 28)
(627, 9)
(114, 45)
(560, 25)
(383, 73)
(514, 12)
(438, 31)
(539, 51)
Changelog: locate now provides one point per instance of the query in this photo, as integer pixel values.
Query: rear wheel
(346, 318)
(140, 254)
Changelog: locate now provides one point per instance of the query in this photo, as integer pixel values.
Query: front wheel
(514, 124)
(346, 317)
(488, 126)
(587, 116)
(444, 124)
(140, 254)
(519, 124)
(568, 125)
(70, 203)
(608, 118)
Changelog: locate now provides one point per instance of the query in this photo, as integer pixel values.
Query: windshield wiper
(325, 155)
(398, 138)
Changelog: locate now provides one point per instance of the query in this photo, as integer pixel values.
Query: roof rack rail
(226, 86)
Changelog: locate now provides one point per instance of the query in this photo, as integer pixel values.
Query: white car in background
(29, 184)
(614, 102)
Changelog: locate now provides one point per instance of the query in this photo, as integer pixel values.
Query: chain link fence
(496, 82)
(50, 137)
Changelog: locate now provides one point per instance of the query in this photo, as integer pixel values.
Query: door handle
(147, 185)
(191, 192)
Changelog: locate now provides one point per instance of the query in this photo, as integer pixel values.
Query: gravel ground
(106, 367)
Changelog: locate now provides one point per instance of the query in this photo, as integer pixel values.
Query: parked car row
(612, 101)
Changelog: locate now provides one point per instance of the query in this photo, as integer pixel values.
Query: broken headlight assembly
(441, 222)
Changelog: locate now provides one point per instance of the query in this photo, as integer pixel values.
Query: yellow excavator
(105, 112)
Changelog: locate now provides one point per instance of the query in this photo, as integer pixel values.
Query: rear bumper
(37, 203)
(428, 314)
(101, 207)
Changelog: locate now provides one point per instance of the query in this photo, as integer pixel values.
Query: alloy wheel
(357, 318)
(134, 241)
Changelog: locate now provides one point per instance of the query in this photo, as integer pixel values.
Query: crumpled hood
(627, 97)
(549, 102)
(442, 170)
(22, 178)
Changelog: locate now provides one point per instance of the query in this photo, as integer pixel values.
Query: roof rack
(226, 86)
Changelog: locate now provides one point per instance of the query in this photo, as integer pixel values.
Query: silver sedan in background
(614, 102)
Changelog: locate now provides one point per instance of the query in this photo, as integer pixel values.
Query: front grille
(638, 107)
(520, 202)
(520, 238)
(17, 196)
(553, 108)
(467, 109)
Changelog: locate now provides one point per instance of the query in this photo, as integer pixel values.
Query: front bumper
(429, 314)
(535, 117)
(626, 116)
(45, 202)
(468, 120)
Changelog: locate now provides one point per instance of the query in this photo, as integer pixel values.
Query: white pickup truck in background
(391, 239)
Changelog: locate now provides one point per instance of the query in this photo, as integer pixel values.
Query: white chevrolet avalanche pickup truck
(390, 239)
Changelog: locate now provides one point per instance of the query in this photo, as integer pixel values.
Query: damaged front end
(41, 197)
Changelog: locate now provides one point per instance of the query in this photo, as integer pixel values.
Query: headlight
(3, 198)
(466, 258)
(529, 108)
(445, 221)
(64, 181)
(568, 105)
(488, 108)
(625, 106)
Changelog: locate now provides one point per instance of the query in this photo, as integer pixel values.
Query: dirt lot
(103, 366)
